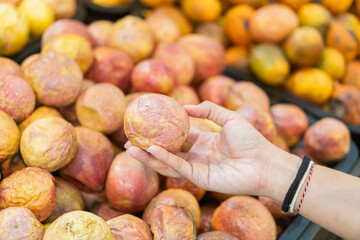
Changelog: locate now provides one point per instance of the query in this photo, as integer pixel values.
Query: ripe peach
(129, 227)
(246, 92)
(177, 59)
(155, 119)
(89, 168)
(9, 67)
(177, 197)
(238, 58)
(111, 66)
(248, 217)
(315, 15)
(352, 74)
(12, 165)
(41, 112)
(177, 16)
(208, 55)
(55, 78)
(215, 235)
(207, 212)
(185, 95)
(32, 188)
(290, 121)
(216, 89)
(48, 143)
(183, 183)
(17, 98)
(9, 137)
(130, 185)
(212, 30)
(172, 222)
(94, 198)
(274, 207)
(101, 107)
(68, 198)
(100, 32)
(328, 140)
(19, 223)
(29, 60)
(106, 212)
(164, 29)
(79, 225)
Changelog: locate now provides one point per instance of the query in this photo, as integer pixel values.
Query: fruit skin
(216, 89)
(315, 15)
(214, 31)
(40, 112)
(29, 60)
(151, 75)
(105, 211)
(207, 212)
(351, 76)
(177, 59)
(352, 24)
(295, 4)
(9, 67)
(89, 167)
(17, 98)
(129, 227)
(177, 16)
(185, 95)
(311, 84)
(280, 143)
(215, 235)
(49, 143)
(32, 188)
(12, 165)
(111, 66)
(268, 63)
(55, 78)
(133, 36)
(183, 183)
(275, 208)
(172, 222)
(94, 198)
(208, 55)
(157, 3)
(62, 8)
(249, 219)
(20, 223)
(273, 23)
(236, 25)
(201, 10)
(328, 140)
(163, 28)
(332, 62)
(78, 225)
(155, 119)
(101, 107)
(238, 58)
(337, 7)
(130, 185)
(290, 121)
(100, 32)
(9, 137)
(253, 3)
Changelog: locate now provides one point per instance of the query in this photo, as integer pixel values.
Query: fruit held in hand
(155, 119)
(129, 227)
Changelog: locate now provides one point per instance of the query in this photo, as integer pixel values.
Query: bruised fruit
(130, 185)
(62, 8)
(29, 60)
(178, 61)
(89, 168)
(328, 140)
(213, 30)
(48, 143)
(101, 107)
(12, 165)
(129, 227)
(17, 98)
(68, 198)
(273, 23)
(238, 58)
(185, 95)
(274, 207)
(183, 183)
(41, 112)
(79, 225)
(154, 119)
(215, 235)
(133, 36)
(151, 75)
(9, 137)
(32, 188)
(332, 62)
(111, 66)
(337, 7)
(164, 29)
(172, 222)
(201, 10)
(55, 78)
(9, 67)
(294, 4)
(290, 121)
(216, 89)
(352, 74)
(94, 198)
(20, 223)
(207, 212)
(177, 16)
(315, 15)
(248, 217)
(105, 211)
(100, 31)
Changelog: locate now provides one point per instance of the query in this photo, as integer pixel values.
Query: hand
(238, 160)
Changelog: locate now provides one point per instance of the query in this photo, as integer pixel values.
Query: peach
(9, 67)
(55, 78)
(315, 15)
(66, 26)
(62, 8)
(17, 98)
(177, 197)
(328, 140)
(79, 225)
(68, 198)
(41, 112)
(207, 212)
(152, 76)
(106, 212)
(275, 208)
(183, 183)
(29, 60)
(94, 198)
(172, 222)
(155, 119)
(208, 55)
(90, 166)
(177, 59)
(246, 92)
(19, 223)
(248, 217)
(48, 143)
(111, 66)
(12, 165)
(164, 29)
(215, 235)
(101, 107)
(238, 58)
(216, 89)
(9, 137)
(129, 227)
(100, 32)
(290, 121)
(212, 30)
(130, 185)
(32, 188)
(185, 95)
(177, 16)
